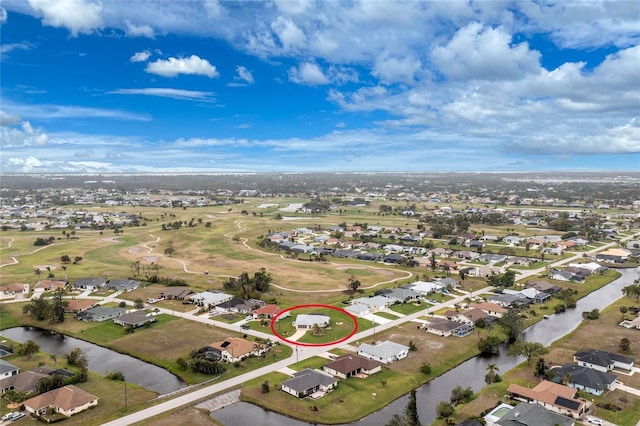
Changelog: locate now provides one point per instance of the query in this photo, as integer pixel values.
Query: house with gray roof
(123, 284)
(385, 351)
(7, 369)
(375, 303)
(602, 361)
(308, 321)
(101, 313)
(209, 298)
(587, 379)
(507, 300)
(309, 382)
(525, 414)
(91, 284)
(135, 319)
(401, 295)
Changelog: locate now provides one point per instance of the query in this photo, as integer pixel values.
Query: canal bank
(468, 374)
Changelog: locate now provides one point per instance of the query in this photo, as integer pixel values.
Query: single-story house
(634, 323)
(14, 291)
(402, 295)
(352, 365)
(358, 310)
(602, 361)
(507, 300)
(615, 255)
(234, 349)
(135, 319)
(371, 257)
(446, 282)
(49, 285)
(91, 284)
(269, 311)
(525, 414)
(308, 321)
(542, 285)
(101, 313)
(552, 396)
(589, 268)
(492, 309)
(587, 379)
(7, 369)
(393, 258)
(177, 293)
(67, 400)
(309, 382)
(470, 316)
(75, 306)
(27, 381)
(424, 288)
(123, 284)
(209, 298)
(375, 303)
(237, 305)
(385, 351)
(445, 328)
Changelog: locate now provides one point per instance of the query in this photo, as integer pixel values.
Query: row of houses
(22, 290)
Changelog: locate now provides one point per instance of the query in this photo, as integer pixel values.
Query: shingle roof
(587, 377)
(525, 414)
(383, 350)
(307, 379)
(597, 357)
(66, 398)
(236, 346)
(6, 367)
(348, 363)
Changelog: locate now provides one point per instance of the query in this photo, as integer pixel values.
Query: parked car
(9, 416)
(595, 421)
(18, 416)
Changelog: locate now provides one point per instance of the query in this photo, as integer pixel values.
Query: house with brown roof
(552, 396)
(75, 306)
(14, 291)
(27, 381)
(492, 309)
(268, 312)
(470, 316)
(234, 349)
(67, 400)
(177, 293)
(445, 328)
(49, 285)
(352, 366)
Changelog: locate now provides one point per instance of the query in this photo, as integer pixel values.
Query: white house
(310, 320)
(425, 288)
(375, 303)
(385, 352)
(7, 369)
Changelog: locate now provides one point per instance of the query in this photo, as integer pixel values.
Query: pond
(101, 360)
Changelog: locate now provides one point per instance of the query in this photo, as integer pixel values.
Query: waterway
(468, 374)
(101, 360)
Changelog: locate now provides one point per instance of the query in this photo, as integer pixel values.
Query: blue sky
(97, 86)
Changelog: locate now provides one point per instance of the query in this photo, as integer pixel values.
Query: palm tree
(492, 373)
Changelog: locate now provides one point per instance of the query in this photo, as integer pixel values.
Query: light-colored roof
(266, 310)
(211, 297)
(377, 302)
(311, 319)
(383, 350)
(80, 304)
(548, 393)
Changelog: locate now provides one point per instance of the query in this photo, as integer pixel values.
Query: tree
(38, 309)
(540, 370)
(528, 349)
(411, 410)
(138, 303)
(65, 258)
(77, 260)
(425, 368)
(58, 306)
(354, 284)
(265, 387)
(513, 324)
(632, 290)
(460, 395)
(492, 374)
(490, 344)
(623, 311)
(28, 348)
(412, 346)
(625, 344)
(433, 261)
(445, 409)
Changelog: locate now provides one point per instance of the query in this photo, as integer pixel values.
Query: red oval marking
(313, 305)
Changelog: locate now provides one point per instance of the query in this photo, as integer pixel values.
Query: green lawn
(409, 308)
(387, 315)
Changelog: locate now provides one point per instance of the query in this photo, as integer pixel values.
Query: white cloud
(25, 135)
(133, 30)
(3, 15)
(193, 65)
(308, 74)
(78, 16)
(140, 56)
(391, 70)
(22, 165)
(476, 52)
(8, 47)
(293, 7)
(290, 35)
(190, 95)
(52, 111)
(7, 119)
(244, 75)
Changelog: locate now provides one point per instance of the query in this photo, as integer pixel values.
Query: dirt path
(8, 244)
(14, 256)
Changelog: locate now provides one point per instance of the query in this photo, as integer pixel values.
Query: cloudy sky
(219, 86)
